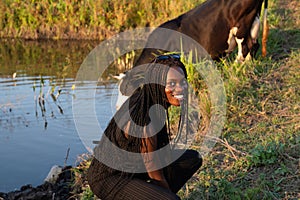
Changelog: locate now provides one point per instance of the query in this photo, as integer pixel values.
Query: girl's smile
(176, 86)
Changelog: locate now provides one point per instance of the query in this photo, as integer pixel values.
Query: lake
(37, 128)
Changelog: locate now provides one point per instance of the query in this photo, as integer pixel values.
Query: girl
(135, 159)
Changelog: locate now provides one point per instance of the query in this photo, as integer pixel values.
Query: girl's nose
(179, 87)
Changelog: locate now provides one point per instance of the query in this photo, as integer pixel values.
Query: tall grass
(257, 156)
(84, 19)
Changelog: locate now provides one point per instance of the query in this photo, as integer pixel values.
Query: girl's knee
(196, 157)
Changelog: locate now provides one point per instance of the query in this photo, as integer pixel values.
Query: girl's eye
(171, 84)
(184, 82)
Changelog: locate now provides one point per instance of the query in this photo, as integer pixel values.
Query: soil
(62, 189)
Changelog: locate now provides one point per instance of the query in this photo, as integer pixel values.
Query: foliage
(257, 156)
(84, 19)
(264, 155)
(87, 194)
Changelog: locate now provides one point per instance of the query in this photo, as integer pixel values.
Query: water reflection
(46, 57)
(36, 120)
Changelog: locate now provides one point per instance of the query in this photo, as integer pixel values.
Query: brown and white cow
(219, 26)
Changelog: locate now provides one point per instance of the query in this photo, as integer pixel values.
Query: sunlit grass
(84, 19)
(261, 160)
(263, 128)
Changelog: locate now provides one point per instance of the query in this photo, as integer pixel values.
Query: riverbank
(62, 189)
(70, 184)
(96, 20)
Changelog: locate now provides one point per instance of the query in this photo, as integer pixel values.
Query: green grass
(83, 19)
(257, 156)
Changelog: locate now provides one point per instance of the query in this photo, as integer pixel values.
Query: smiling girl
(134, 159)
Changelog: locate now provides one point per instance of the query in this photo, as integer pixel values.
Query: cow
(219, 26)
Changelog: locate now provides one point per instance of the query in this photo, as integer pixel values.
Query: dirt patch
(289, 11)
(294, 7)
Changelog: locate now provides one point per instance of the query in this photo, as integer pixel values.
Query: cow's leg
(240, 58)
(254, 33)
(232, 41)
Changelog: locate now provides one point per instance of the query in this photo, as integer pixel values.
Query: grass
(83, 19)
(262, 135)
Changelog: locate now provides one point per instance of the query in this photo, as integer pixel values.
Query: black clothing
(140, 186)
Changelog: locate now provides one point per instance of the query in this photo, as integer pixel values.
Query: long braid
(151, 93)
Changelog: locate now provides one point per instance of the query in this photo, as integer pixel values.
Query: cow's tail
(265, 30)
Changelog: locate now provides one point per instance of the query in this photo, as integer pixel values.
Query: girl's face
(176, 86)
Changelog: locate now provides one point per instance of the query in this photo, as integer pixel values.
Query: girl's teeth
(178, 96)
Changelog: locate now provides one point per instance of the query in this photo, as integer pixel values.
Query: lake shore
(61, 189)
(70, 184)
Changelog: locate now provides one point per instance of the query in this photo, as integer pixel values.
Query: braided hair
(148, 104)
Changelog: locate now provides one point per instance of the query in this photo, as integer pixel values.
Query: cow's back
(206, 25)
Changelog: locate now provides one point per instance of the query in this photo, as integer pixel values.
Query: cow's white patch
(231, 39)
(254, 32)
(240, 57)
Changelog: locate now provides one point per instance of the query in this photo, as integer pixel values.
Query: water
(38, 131)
